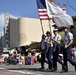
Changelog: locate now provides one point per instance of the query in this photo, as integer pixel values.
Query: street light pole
(67, 4)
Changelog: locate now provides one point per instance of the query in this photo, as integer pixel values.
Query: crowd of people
(28, 58)
(51, 48)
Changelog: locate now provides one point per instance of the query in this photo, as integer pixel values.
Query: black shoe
(48, 69)
(41, 68)
(75, 68)
(63, 71)
(53, 70)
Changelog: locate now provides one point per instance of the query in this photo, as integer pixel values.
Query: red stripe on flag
(43, 15)
(46, 18)
(42, 11)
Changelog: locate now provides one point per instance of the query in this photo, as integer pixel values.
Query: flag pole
(50, 26)
(49, 23)
(42, 27)
(40, 21)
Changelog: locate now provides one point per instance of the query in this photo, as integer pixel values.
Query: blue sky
(28, 8)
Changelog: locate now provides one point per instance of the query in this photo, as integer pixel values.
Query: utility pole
(67, 4)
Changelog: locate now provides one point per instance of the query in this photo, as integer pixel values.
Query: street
(32, 70)
(4, 72)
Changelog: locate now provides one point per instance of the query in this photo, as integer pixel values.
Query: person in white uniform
(68, 40)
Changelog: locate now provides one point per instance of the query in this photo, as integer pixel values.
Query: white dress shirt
(68, 37)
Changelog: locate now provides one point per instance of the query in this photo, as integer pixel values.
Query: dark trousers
(56, 57)
(68, 57)
(49, 54)
(43, 58)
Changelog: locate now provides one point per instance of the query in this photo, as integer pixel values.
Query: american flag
(43, 10)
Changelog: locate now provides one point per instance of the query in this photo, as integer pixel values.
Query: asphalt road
(5, 72)
(33, 70)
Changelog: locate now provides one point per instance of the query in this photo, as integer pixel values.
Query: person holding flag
(49, 50)
(43, 52)
(56, 50)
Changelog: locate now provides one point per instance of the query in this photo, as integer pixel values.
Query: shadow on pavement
(35, 69)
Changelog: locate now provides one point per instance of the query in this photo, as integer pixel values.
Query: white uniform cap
(55, 30)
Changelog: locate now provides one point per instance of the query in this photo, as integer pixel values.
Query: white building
(24, 31)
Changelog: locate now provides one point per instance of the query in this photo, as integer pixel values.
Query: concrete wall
(24, 31)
